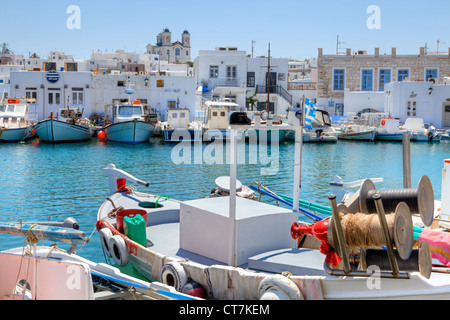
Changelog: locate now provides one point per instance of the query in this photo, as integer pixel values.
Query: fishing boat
(419, 133)
(270, 130)
(53, 273)
(357, 132)
(217, 124)
(68, 126)
(321, 130)
(236, 248)
(15, 124)
(179, 128)
(389, 130)
(130, 123)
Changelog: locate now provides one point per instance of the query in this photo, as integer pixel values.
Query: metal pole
(232, 218)
(406, 144)
(340, 233)
(384, 225)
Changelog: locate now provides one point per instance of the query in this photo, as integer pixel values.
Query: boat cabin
(127, 111)
(322, 117)
(218, 113)
(178, 118)
(13, 113)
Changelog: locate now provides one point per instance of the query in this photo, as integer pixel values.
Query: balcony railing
(276, 89)
(224, 82)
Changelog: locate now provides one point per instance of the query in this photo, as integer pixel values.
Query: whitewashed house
(227, 73)
(425, 100)
(92, 92)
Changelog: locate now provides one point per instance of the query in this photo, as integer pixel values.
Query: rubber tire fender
(105, 234)
(174, 275)
(119, 250)
(279, 287)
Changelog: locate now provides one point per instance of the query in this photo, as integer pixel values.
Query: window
(367, 80)
(250, 79)
(77, 96)
(50, 98)
(213, 71)
(402, 74)
(385, 77)
(338, 79)
(182, 115)
(411, 108)
(431, 73)
(222, 113)
(177, 51)
(174, 115)
(31, 93)
(121, 83)
(231, 71)
(187, 52)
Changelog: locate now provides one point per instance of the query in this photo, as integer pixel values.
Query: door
(446, 116)
(273, 82)
(54, 101)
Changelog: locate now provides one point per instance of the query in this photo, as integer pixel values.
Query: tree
(6, 49)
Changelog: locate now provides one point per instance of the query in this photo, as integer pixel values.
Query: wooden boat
(69, 126)
(246, 251)
(418, 131)
(178, 122)
(389, 130)
(15, 124)
(52, 273)
(130, 123)
(357, 132)
(217, 124)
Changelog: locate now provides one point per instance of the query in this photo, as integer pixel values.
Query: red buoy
(101, 135)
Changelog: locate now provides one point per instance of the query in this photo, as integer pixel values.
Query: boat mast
(268, 83)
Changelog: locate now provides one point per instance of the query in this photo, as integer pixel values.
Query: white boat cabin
(178, 118)
(128, 112)
(14, 113)
(218, 114)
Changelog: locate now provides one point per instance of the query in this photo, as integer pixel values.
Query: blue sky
(294, 28)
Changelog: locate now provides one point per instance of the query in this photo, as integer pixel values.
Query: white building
(419, 99)
(92, 93)
(228, 73)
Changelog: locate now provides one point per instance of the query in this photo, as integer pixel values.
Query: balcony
(224, 82)
(302, 86)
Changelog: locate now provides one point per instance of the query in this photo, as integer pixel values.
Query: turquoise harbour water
(65, 180)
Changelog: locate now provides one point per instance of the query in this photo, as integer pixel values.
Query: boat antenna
(268, 82)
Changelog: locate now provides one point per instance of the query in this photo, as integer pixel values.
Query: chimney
(394, 52)
(422, 51)
(349, 51)
(377, 52)
(320, 52)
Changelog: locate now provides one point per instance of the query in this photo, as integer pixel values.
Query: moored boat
(419, 133)
(70, 126)
(389, 130)
(15, 124)
(357, 132)
(179, 128)
(130, 123)
(189, 242)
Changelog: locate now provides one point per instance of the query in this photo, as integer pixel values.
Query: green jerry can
(135, 229)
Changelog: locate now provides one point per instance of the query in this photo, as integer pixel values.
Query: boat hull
(312, 137)
(16, 134)
(55, 131)
(130, 132)
(268, 135)
(360, 136)
(177, 135)
(224, 135)
(398, 136)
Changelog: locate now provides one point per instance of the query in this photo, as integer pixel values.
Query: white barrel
(445, 191)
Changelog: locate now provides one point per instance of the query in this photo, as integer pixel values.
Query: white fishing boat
(36, 272)
(15, 124)
(416, 127)
(321, 130)
(357, 132)
(389, 130)
(235, 248)
(217, 124)
(69, 126)
(130, 123)
(179, 128)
